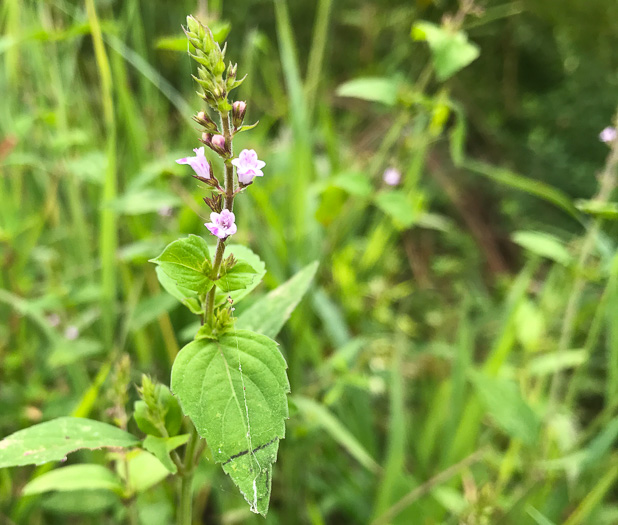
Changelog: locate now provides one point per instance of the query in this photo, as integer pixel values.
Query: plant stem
(194, 449)
(607, 183)
(186, 480)
(228, 205)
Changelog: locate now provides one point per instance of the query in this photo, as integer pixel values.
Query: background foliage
(429, 373)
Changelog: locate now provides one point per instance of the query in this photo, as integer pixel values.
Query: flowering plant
(230, 382)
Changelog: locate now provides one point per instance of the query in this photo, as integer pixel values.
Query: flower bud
(206, 122)
(218, 141)
(238, 113)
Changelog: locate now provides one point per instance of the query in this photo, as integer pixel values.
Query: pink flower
(391, 176)
(222, 224)
(248, 166)
(608, 135)
(198, 163)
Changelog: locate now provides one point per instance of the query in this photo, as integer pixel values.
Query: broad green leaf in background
(545, 245)
(75, 477)
(53, 440)
(187, 261)
(234, 390)
(268, 315)
(89, 502)
(450, 51)
(397, 205)
(353, 182)
(506, 406)
(161, 447)
(239, 277)
(374, 89)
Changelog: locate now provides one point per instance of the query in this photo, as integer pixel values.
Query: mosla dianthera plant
(231, 380)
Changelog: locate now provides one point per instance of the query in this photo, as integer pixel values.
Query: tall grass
(421, 385)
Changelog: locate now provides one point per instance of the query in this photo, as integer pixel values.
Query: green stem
(607, 183)
(194, 448)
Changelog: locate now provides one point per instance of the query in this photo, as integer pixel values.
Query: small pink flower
(199, 163)
(248, 166)
(608, 135)
(391, 176)
(222, 224)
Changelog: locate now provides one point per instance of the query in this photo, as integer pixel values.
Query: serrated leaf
(505, 404)
(239, 277)
(185, 296)
(268, 315)
(161, 447)
(450, 51)
(75, 477)
(187, 262)
(53, 440)
(234, 391)
(245, 254)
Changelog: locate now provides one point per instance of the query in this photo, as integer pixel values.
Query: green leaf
(374, 89)
(239, 277)
(234, 391)
(161, 448)
(187, 262)
(185, 296)
(247, 127)
(173, 414)
(397, 205)
(145, 471)
(545, 245)
(245, 254)
(53, 440)
(353, 182)
(553, 362)
(75, 477)
(604, 210)
(450, 51)
(507, 407)
(268, 315)
(89, 502)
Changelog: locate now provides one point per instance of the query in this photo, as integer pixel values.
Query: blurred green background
(456, 360)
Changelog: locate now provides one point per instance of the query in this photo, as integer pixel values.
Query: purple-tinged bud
(206, 122)
(218, 141)
(206, 138)
(217, 144)
(239, 108)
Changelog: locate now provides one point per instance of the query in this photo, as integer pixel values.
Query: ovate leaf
(245, 254)
(397, 205)
(75, 477)
(187, 262)
(268, 315)
(53, 440)
(450, 51)
(239, 277)
(545, 245)
(234, 390)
